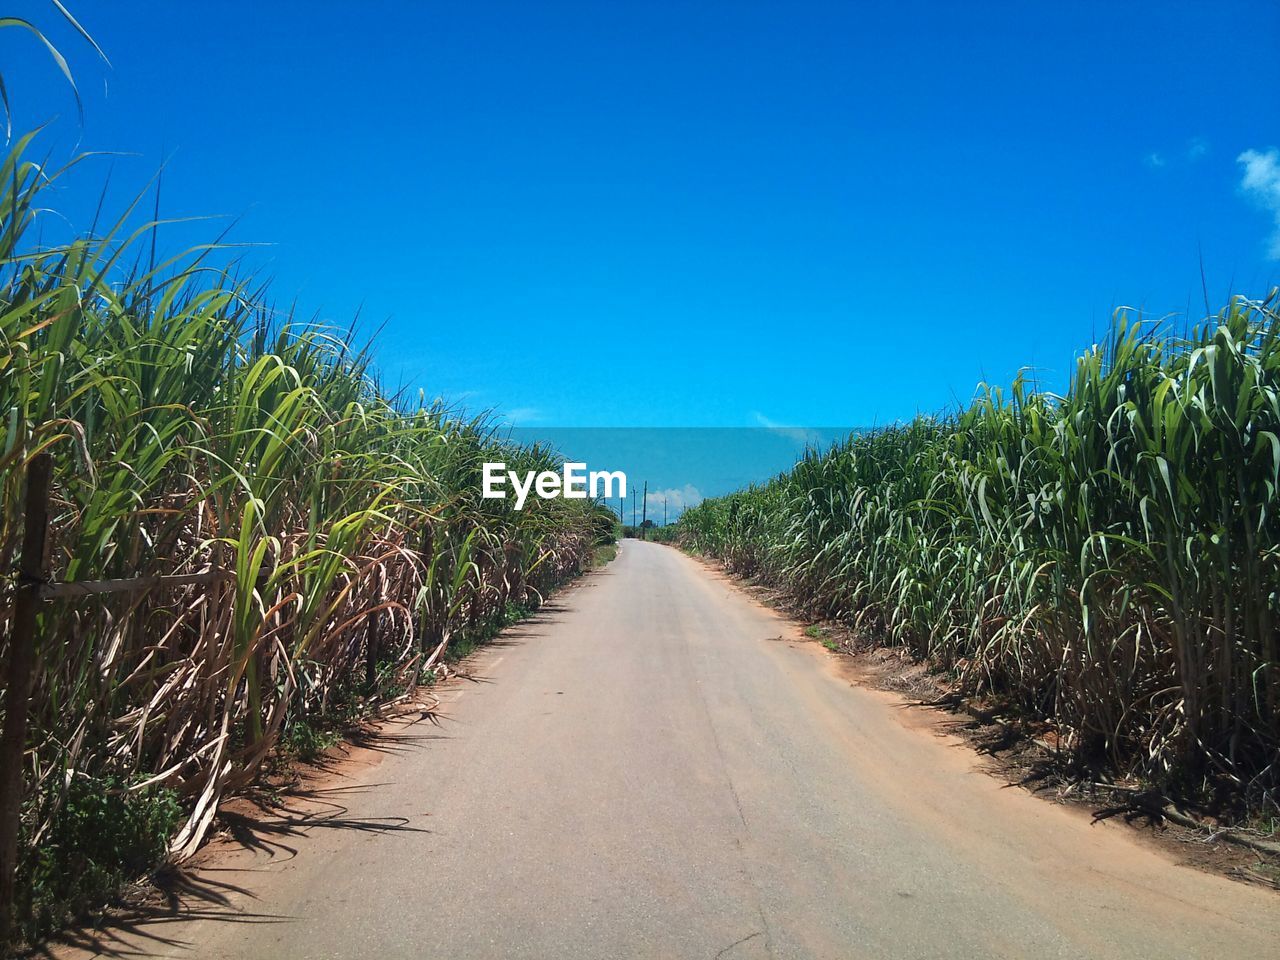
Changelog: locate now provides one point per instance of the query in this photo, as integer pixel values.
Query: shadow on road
(266, 826)
(266, 823)
(141, 930)
(515, 635)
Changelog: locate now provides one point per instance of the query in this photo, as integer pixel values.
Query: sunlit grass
(1108, 559)
(192, 428)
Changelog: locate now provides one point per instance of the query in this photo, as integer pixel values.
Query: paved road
(646, 771)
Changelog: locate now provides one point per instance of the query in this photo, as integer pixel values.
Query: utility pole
(664, 511)
(644, 511)
(633, 511)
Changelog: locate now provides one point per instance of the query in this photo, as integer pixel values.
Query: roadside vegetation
(335, 536)
(1107, 560)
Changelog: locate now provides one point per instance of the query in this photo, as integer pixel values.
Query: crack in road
(736, 943)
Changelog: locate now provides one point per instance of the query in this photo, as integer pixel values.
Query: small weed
(307, 738)
(101, 838)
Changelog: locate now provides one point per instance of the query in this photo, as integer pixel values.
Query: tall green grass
(191, 428)
(1109, 559)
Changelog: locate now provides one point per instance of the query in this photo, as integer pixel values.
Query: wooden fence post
(19, 674)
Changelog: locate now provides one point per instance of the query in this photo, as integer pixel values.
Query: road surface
(647, 770)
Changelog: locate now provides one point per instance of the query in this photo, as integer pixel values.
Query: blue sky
(733, 214)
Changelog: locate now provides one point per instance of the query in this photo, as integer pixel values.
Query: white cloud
(522, 416)
(1193, 152)
(1261, 183)
(677, 500)
(798, 434)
